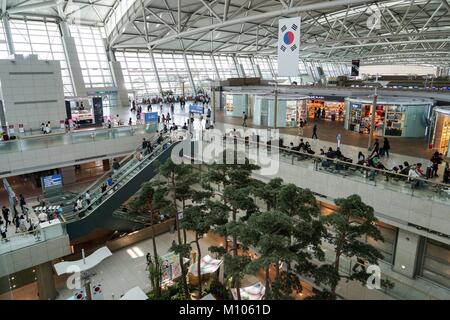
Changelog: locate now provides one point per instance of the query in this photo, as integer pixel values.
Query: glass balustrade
(52, 140)
(43, 232)
(389, 180)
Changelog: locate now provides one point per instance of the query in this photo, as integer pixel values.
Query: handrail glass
(52, 140)
(416, 186)
(29, 238)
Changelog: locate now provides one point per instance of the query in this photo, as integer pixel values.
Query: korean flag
(288, 47)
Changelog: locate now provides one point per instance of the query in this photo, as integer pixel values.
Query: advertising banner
(355, 68)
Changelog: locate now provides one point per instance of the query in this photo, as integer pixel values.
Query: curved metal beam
(262, 16)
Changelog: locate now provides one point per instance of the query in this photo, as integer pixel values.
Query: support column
(119, 80)
(152, 58)
(191, 80)
(68, 175)
(275, 109)
(239, 68)
(215, 67)
(406, 253)
(256, 68)
(372, 116)
(73, 63)
(8, 35)
(46, 282)
(106, 165)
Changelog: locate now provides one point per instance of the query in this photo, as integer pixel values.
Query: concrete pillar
(191, 79)
(46, 282)
(406, 253)
(216, 71)
(119, 80)
(8, 35)
(68, 175)
(155, 69)
(73, 62)
(106, 165)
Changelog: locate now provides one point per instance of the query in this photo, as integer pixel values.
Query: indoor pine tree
(351, 221)
(151, 199)
(308, 227)
(269, 232)
(173, 172)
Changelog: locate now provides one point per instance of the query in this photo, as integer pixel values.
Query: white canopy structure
(207, 265)
(135, 293)
(254, 292)
(83, 264)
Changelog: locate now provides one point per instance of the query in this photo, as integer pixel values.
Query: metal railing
(387, 179)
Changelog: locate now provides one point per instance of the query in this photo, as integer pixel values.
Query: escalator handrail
(102, 195)
(102, 178)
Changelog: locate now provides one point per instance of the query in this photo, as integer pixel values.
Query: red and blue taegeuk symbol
(288, 38)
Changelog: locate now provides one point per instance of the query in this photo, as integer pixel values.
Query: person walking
(5, 213)
(22, 203)
(244, 119)
(376, 149)
(386, 147)
(338, 138)
(314, 135)
(300, 127)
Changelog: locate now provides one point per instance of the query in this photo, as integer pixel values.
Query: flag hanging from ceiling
(288, 47)
(355, 68)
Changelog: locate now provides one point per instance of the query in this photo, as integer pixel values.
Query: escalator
(99, 216)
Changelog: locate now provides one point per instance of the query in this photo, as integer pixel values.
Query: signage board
(151, 117)
(195, 108)
(52, 181)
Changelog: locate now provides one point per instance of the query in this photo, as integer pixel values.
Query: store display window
(292, 107)
(229, 106)
(395, 120)
(326, 110)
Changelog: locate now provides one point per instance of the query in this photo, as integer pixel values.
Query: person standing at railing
(42, 217)
(5, 213)
(3, 230)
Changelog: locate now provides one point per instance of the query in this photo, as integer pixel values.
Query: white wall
(32, 91)
(397, 70)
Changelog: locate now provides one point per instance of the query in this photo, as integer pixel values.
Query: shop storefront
(324, 107)
(394, 117)
(235, 104)
(440, 130)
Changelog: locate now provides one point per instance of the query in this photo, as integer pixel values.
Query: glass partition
(47, 141)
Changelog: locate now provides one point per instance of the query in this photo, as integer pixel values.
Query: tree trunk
(277, 269)
(235, 253)
(155, 255)
(184, 230)
(234, 236)
(336, 266)
(267, 279)
(199, 273)
(177, 223)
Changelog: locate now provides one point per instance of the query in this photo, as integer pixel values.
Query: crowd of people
(20, 220)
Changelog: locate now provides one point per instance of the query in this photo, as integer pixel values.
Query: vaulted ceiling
(410, 31)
